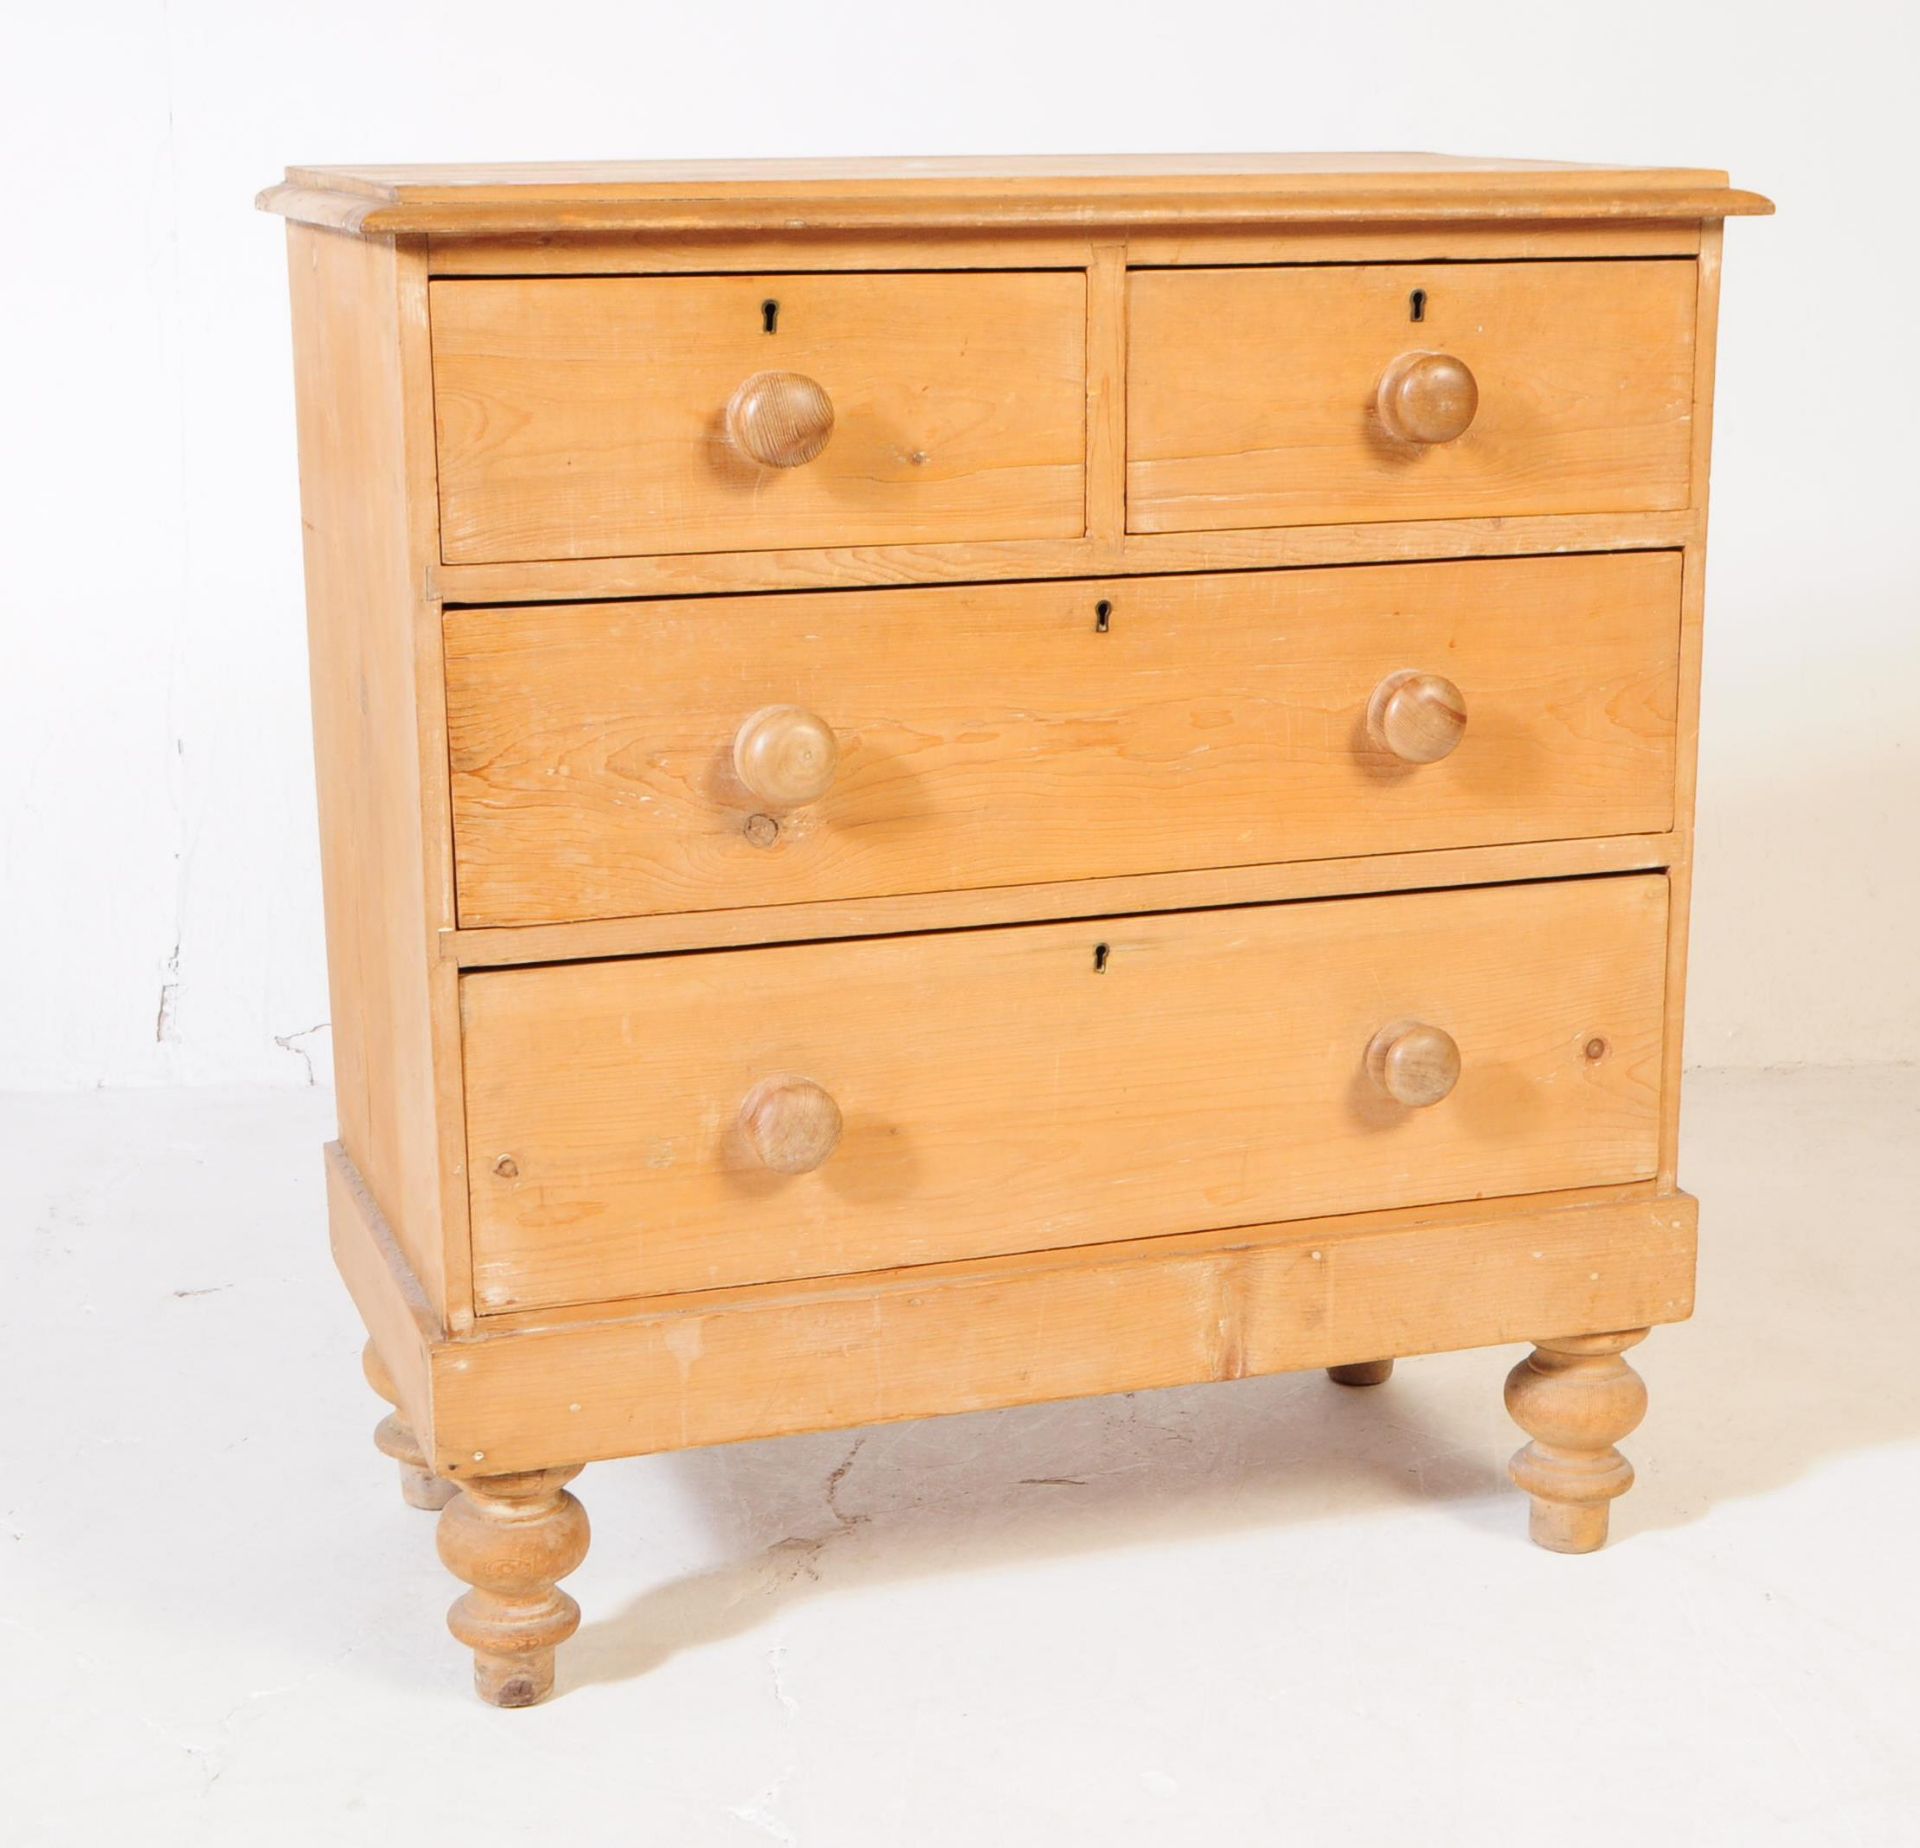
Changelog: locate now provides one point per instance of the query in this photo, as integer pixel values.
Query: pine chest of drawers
(946, 784)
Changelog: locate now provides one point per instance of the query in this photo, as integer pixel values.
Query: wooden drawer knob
(1416, 717)
(1413, 1063)
(791, 1124)
(780, 419)
(786, 756)
(1427, 398)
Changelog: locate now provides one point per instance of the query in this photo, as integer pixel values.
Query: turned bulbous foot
(1575, 1397)
(393, 1437)
(1362, 1373)
(511, 1538)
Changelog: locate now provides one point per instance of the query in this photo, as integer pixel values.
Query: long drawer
(621, 759)
(666, 1124)
(585, 416)
(1349, 392)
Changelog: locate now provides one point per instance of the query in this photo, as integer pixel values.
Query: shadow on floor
(1796, 1357)
(809, 1516)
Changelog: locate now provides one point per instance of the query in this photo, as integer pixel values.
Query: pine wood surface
(1575, 1397)
(378, 716)
(394, 1437)
(1105, 1319)
(587, 416)
(965, 192)
(506, 946)
(1687, 737)
(1250, 392)
(625, 1379)
(622, 1379)
(1104, 549)
(1009, 1090)
(925, 993)
(997, 736)
(1187, 241)
(511, 1537)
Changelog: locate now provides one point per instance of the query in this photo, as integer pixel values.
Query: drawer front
(1063, 1084)
(1008, 734)
(584, 417)
(1253, 395)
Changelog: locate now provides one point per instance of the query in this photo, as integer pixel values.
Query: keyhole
(1102, 617)
(770, 317)
(1100, 953)
(1416, 304)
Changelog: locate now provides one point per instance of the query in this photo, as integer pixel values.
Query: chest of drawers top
(992, 192)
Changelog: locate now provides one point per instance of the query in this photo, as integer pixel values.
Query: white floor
(1277, 1611)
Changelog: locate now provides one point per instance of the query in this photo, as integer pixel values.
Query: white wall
(159, 902)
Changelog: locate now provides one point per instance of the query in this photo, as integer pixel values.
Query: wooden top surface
(988, 193)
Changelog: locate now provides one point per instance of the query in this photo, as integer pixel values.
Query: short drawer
(624, 759)
(584, 417)
(1290, 396)
(666, 1124)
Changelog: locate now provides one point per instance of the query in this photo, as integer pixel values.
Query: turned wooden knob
(1413, 1063)
(1418, 718)
(786, 756)
(780, 419)
(791, 1124)
(1427, 398)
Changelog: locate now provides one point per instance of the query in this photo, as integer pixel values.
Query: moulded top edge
(992, 194)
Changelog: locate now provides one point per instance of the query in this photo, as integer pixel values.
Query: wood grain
(1018, 1330)
(1416, 718)
(998, 561)
(1077, 898)
(1426, 397)
(1106, 398)
(800, 197)
(401, 1325)
(1413, 1063)
(511, 1537)
(729, 1364)
(394, 1437)
(779, 419)
(790, 1124)
(1251, 393)
(1687, 737)
(1575, 1397)
(385, 849)
(718, 253)
(999, 1011)
(587, 416)
(1019, 1089)
(995, 735)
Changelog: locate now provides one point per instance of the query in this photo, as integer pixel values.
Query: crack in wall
(290, 1042)
(163, 1025)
